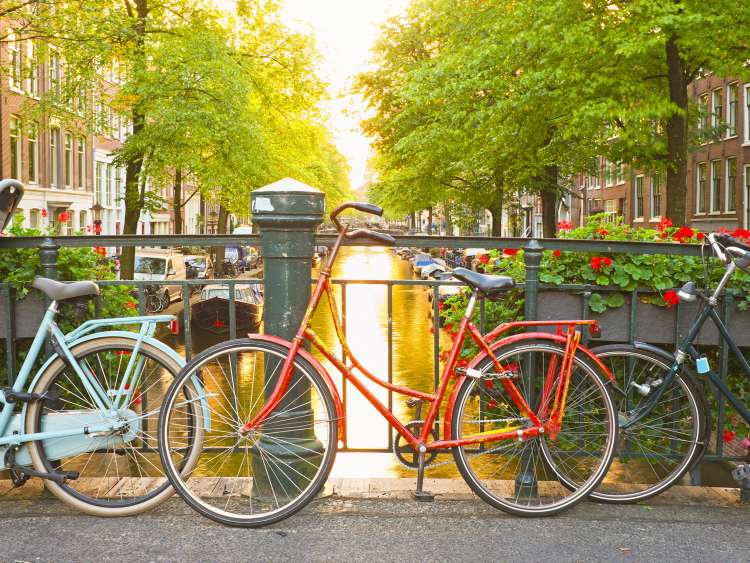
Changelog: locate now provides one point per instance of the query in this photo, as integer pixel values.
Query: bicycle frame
(686, 349)
(107, 401)
(566, 333)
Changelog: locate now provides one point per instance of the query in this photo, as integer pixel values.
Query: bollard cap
(287, 202)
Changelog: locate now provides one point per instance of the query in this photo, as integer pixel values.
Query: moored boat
(211, 312)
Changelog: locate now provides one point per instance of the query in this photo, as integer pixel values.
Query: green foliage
(19, 267)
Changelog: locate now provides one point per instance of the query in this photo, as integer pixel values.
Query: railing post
(287, 213)
(48, 252)
(526, 481)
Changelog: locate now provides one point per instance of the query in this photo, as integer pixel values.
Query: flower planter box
(655, 325)
(28, 313)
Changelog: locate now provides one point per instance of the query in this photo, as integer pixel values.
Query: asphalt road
(381, 530)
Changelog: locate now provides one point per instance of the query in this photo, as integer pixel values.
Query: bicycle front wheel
(262, 477)
(654, 453)
(119, 471)
(547, 474)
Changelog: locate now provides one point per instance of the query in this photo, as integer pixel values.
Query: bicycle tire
(94, 466)
(294, 448)
(153, 303)
(659, 474)
(499, 479)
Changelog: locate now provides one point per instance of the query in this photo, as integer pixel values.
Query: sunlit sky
(344, 31)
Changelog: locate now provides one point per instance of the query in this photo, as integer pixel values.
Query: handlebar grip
(373, 235)
(370, 208)
(728, 240)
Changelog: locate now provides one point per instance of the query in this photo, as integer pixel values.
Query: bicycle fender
(511, 340)
(93, 336)
(321, 371)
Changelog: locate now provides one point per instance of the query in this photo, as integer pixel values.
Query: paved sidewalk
(371, 525)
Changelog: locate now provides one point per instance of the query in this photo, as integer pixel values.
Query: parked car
(161, 266)
(201, 265)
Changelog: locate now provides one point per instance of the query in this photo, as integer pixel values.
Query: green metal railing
(533, 250)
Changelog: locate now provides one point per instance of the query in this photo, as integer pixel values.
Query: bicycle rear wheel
(533, 477)
(656, 452)
(269, 474)
(120, 473)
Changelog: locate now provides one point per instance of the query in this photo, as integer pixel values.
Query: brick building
(718, 172)
(67, 168)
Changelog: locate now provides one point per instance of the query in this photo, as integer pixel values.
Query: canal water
(366, 323)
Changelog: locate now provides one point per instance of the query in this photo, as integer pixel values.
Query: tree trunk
(177, 201)
(221, 229)
(429, 220)
(447, 214)
(677, 136)
(133, 185)
(549, 194)
(497, 219)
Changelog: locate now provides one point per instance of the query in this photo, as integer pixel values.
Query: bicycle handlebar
(359, 206)
(370, 208)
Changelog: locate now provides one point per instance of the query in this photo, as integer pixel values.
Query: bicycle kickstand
(420, 495)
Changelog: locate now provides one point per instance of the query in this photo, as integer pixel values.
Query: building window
(109, 185)
(54, 72)
(747, 197)
(717, 101)
(33, 68)
(82, 220)
(81, 163)
(638, 197)
(703, 110)
(54, 157)
(14, 56)
(715, 186)
(15, 148)
(619, 173)
(731, 184)
(99, 183)
(700, 189)
(33, 145)
(655, 196)
(68, 164)
(732, 96)
(118, 183)
(35, 219)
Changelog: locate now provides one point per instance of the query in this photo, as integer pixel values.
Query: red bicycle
(529, 420)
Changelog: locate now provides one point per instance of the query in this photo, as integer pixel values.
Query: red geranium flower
(556, 253)
(484, 258)
(462, 362)
(488, 383)
(218, 323)
(601, 231)
(130, 305)
(683, 234)
(700, 236)
(665, 223)
(100, 250)
(671, 298)
(63, 217)
(44, 212)
(741, 233)
(441, 305)
(97, 228)
(728, 435)
(598, 261)
(510, 251)
(564, 226)
(491, 404)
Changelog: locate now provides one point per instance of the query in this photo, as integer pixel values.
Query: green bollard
(526, 480)
(287, 212)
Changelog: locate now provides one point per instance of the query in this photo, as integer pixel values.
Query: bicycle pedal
(741, 473)
(58, 477)
(423, 496)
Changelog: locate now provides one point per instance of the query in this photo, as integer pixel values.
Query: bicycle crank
(407, 455)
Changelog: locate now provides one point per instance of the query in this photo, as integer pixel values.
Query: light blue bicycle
(87, 421)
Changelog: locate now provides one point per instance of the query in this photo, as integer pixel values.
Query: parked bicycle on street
(529, 421)
(664, 414)
(86, 420)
